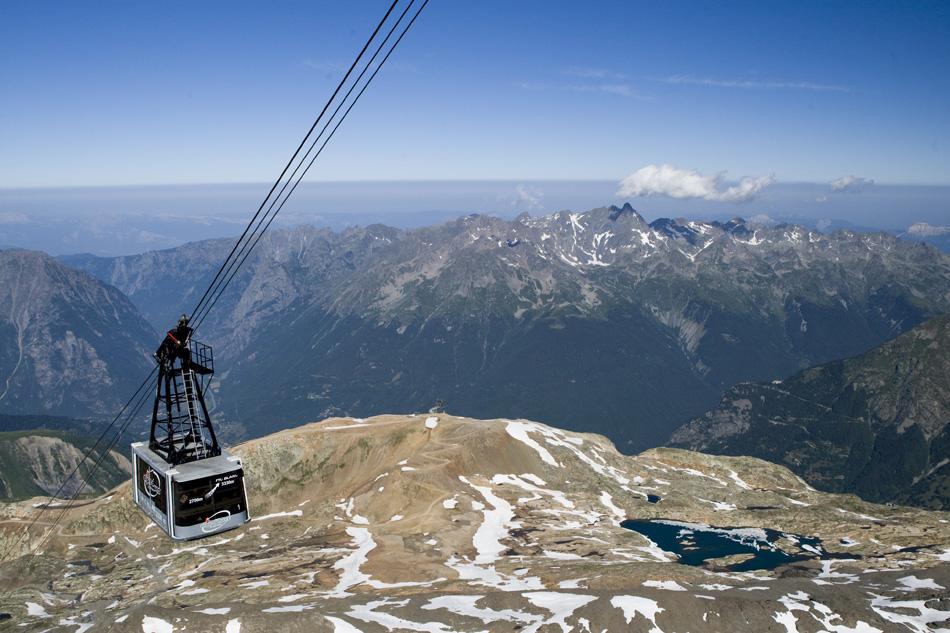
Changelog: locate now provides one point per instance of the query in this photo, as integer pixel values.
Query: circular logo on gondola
(152, 483)
(216, 521)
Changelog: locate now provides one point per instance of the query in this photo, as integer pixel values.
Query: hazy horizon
(131, 219)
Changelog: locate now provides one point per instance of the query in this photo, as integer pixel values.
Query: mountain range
(877, 424)
(547, 317)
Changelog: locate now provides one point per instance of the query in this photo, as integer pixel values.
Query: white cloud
(527, 197)
(10, 217)
(402, 67)
(592, 80)
(762, 220)
(851, 184)
(751, 83)
(923, 229)
(325, 66)
(330, 67)
(667, 180)
(531, 85)
(592, 73)
(620, 90)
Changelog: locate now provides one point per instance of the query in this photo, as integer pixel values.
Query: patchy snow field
(437, 524)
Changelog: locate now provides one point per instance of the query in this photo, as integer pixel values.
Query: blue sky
(135, 93)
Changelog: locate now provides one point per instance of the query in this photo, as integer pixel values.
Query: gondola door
(151, 490)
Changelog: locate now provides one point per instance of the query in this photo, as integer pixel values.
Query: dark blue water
(694, 544)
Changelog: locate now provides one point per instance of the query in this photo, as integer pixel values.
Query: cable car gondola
(184, 481)
(182, 478)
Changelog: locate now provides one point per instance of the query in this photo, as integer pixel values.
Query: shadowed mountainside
(551, 317)
(877, 425)
(69, 344)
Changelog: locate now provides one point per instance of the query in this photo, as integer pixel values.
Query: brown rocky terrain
(387, 524)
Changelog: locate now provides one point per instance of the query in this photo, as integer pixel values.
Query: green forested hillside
(876, 425)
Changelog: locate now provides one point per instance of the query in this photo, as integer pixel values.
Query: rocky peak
(736, 226)
(627, 209)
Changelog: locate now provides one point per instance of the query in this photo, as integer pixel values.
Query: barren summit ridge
(452, 524)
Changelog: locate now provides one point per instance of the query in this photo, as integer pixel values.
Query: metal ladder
(188, 379)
